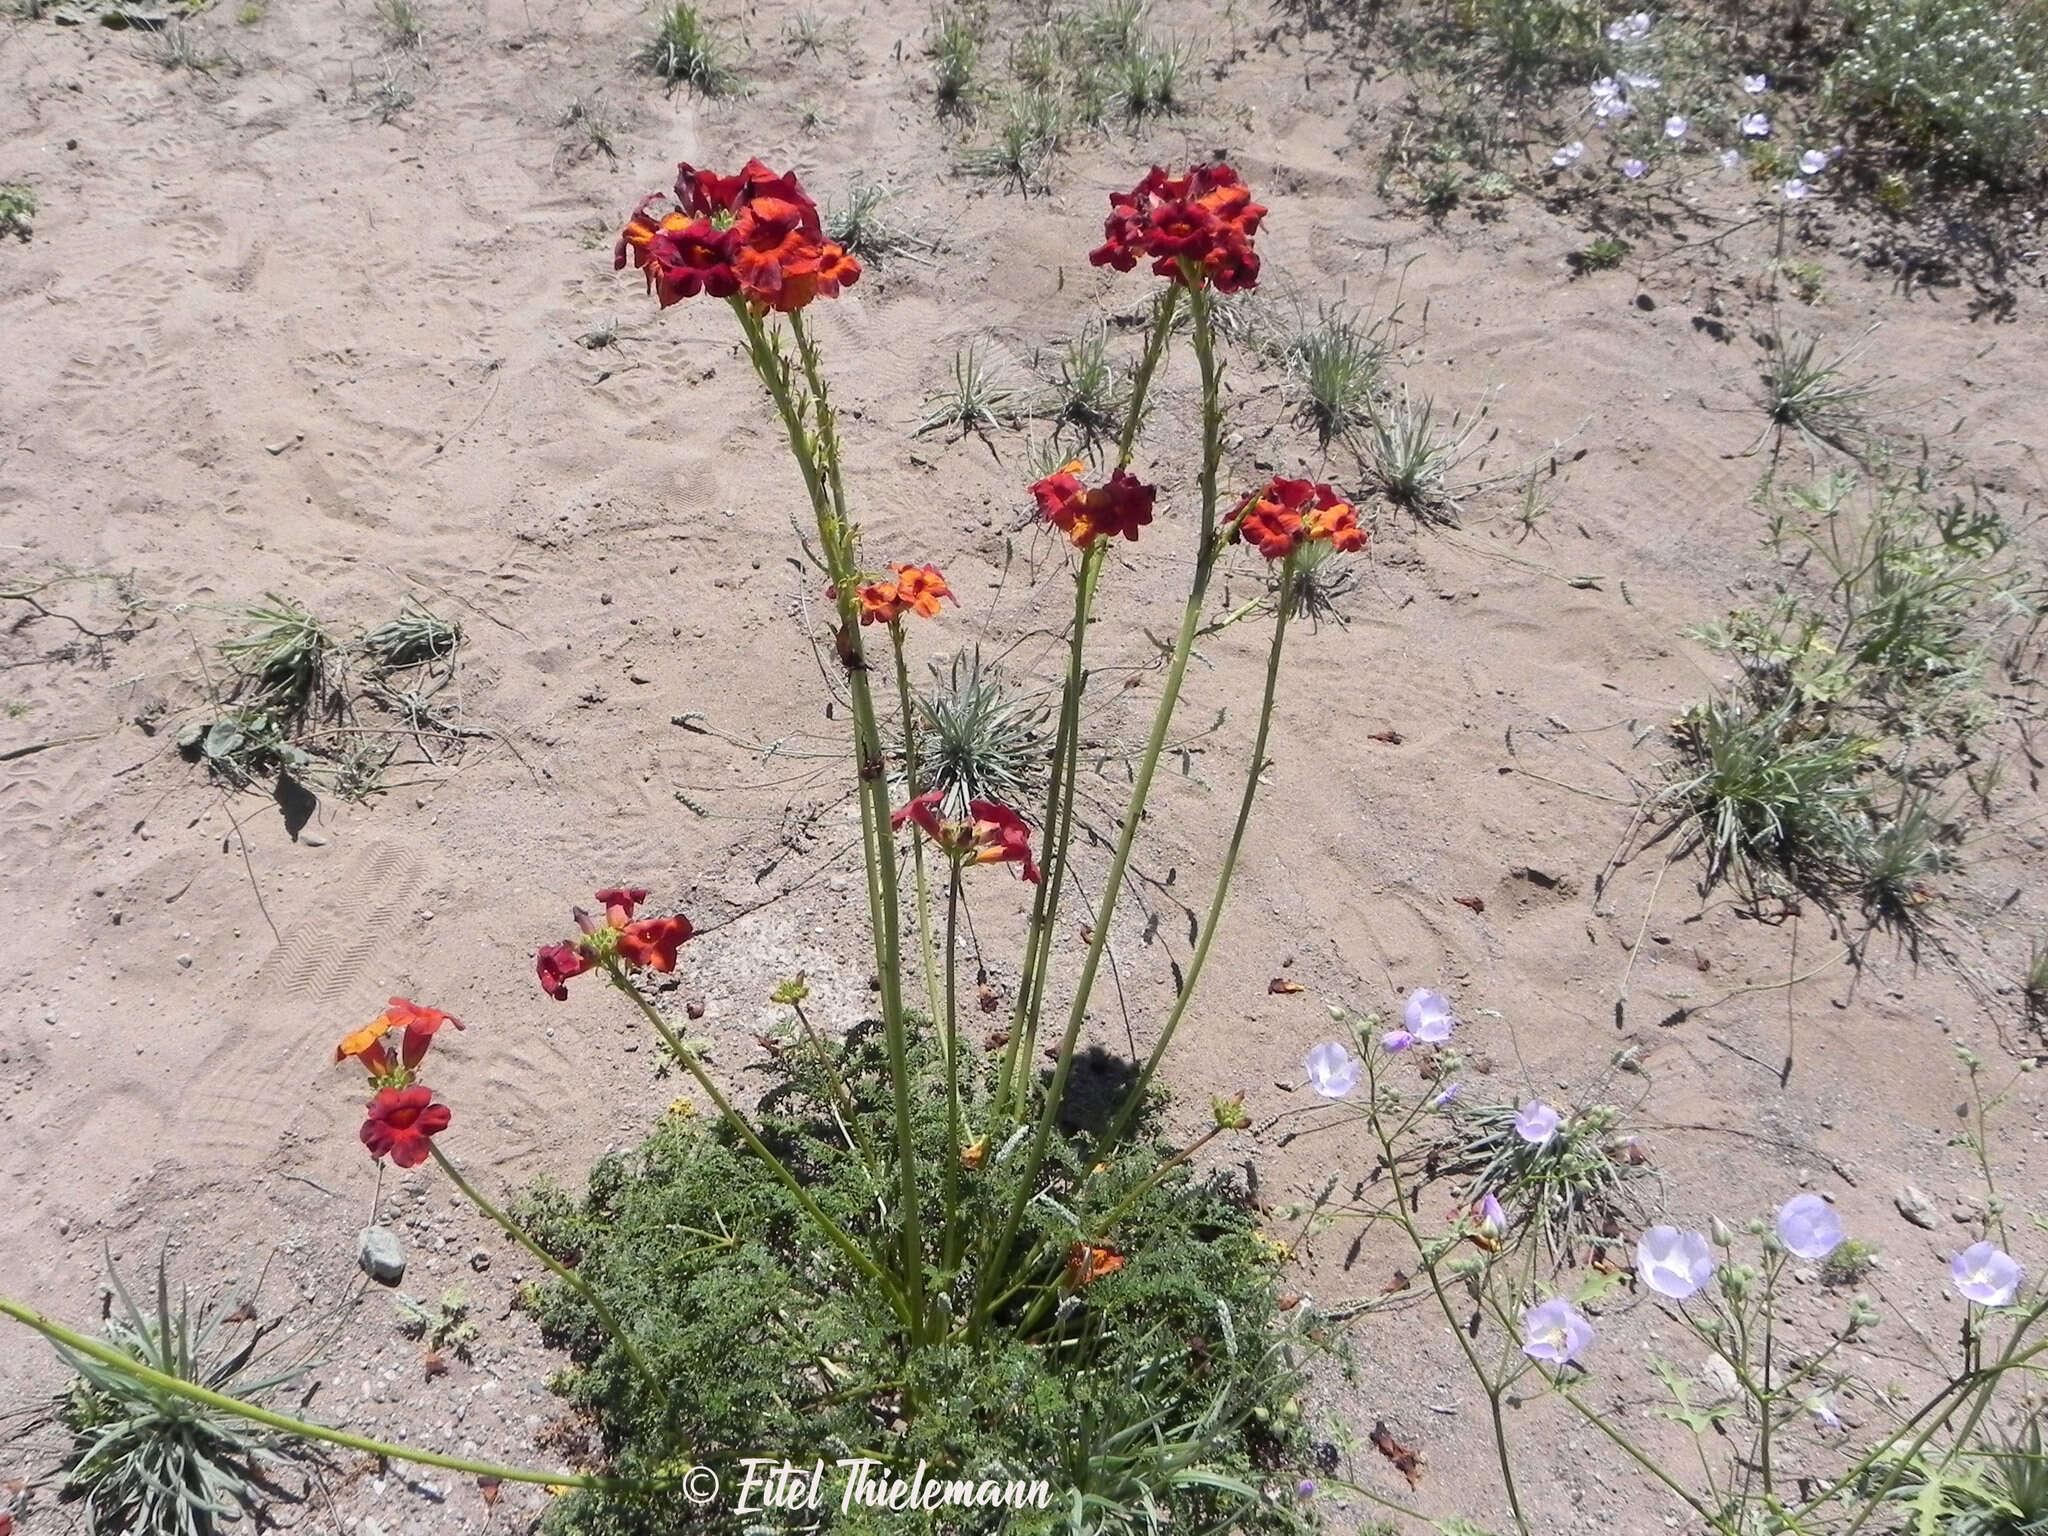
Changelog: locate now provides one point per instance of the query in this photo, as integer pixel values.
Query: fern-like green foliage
(1165, 1390)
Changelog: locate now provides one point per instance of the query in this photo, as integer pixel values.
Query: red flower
(420, 1025)
(618, 904)
(917, 589)
(1287, 514)
(1205, 219)
(755, 233)
(556, 963)
(1122, 506)
(653, 942)
(401, 1122)
(991, 834)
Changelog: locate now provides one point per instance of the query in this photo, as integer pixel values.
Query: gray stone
(1914, 1205)
(381, 1255)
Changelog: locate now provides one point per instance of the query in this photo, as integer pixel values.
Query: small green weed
(445, 1325)
(978, 399)
(978, 737)
(1602, 254)
(17, 210)
(404, 27)
(1814, 396)
(686, 49)
(1567, 1189)
(956, 52)
(1410, 455)
(1335, 362)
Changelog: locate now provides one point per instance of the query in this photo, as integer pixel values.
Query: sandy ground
(261, 341)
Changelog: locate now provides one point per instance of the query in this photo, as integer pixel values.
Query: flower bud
(1229, 1112)
(1717, 1229)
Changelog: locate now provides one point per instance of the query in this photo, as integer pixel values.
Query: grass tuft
(978, 738)
(404, 27)
(1814, 396)
(1336, 362)
(1411, 453)
(687, 50)
(978, 399)
(1574, 1188)
(956, 53)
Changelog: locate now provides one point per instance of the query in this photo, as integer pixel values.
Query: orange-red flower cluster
(756, 234)
(367, 1044)
(992, 833)
(1122, 506)
(648, 942)
(1286, 514)
(917, 589)
(1205, 220)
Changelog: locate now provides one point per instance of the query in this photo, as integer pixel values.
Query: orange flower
(917, 589)
(367, 1046)
(652, 942)
(879, 603)
(1090, 1262)
(1287, 514)
(755, 233)
(649, 942)
(991, 833)
(1201, 223)
(1122, 506)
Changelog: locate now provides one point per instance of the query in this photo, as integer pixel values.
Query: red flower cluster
(991, 834)
(1287, 514)
(917, 589)
(367, 1044)
(401, 1122)
(1203, 221)
(403, 1116)
(1122, 506)
(756, 234)
(648, 942)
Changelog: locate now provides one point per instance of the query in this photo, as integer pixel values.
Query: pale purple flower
(1428, 1016)
(1449, 1092)
(1332, 1070)
(1493, 1221)
(1986, 1274)
(1796, 191)
(1397, 1040)
(1568, 155)
(1674, 127)
(1630, 29)
(1730, 158)
(1757, 125)
(1633, 168)
(1809, 1227)
(1673, 1263)
(1813, 162)
(1613, 107)
(1606, 88)
(1755, 85)
(1640, 82)
(1823, 1408)
(1305, 1489)
(1537, 1122)
(1555, 1332)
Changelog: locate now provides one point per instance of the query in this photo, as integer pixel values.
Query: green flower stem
(560, 1271)
(192, 1392)
(1054, 840)
(1141, 382)
(830, 1229)
(1134, 1106)
(1141, 789)
(949, 1243)
(817, 456)
(1642, 1459)
(840, 1092)
(913, 786)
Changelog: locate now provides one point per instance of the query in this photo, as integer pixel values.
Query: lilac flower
(1448, 1093)
(1986, 1274)
(1633, 168)
(1813, 162)
(1606, 88)
(1673, 1263)
(1555, 1332)
(1429, 1016)
(1823, 1408)
(1568, 155)
(1796, 191)
(1332, 1070)
(1757, 125)
(1613, 107)
(1630, 29)
(1755, 85)
(1730, 158)
(1809, 1227)
(1305, 1489)
(1397, 1040)
(1537, 1122)
(1493, 1221)
(1674, 127)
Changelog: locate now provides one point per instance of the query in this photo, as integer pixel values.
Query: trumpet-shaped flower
(1446, 1095)
(755, 234)
(1287, 514)
(1200, 224)
(1555, 1332)
(1796, 191)
(917, 589)
(399, 1123)
(1428, 1016)
(990, 833)
(1332, 1070)
(1537, 1122)
(1986, 1274)
(1730, 158)
(1809, 1227)
(1813, 162)
(1396, 1040)
(1633, 168)
(646, 942)
(1120, 507)
(1675, 127)
(1673, 1263)
(1630, 29)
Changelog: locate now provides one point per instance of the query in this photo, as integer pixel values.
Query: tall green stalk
(913, 786)
(1200, 959)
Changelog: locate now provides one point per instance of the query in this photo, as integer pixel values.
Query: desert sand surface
(262, 341)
